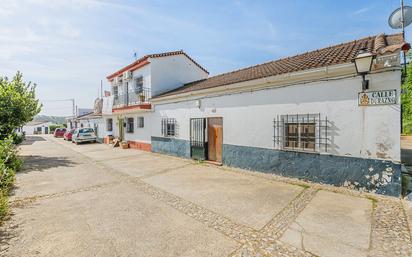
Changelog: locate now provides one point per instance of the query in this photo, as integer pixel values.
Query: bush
(18, 138)
(9, 163)
(8, 154)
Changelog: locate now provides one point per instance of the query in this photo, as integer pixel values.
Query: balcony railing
(134, 97)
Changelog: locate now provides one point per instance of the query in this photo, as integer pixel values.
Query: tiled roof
(337, 54)
(143, 60)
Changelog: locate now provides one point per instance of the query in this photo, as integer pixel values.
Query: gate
(198, 145)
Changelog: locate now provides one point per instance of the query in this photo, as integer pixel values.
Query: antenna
(400, 19)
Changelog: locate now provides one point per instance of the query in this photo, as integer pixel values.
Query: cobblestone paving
(266, 243)
(390, 231)
(390, 234)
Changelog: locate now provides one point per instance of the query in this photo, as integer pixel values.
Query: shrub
(18, 138)
(9, 163)
(8, 154)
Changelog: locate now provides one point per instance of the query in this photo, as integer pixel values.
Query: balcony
(137, 98)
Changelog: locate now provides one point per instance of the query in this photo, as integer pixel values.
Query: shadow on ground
(41, 163)
(7, 233)
(31, 139)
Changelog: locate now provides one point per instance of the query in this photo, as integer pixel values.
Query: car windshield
(86, 130)
(72, 131)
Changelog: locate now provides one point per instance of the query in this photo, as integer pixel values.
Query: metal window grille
(140, 122)
(138, 84)
(169, 127)
(109, 124)
(301, 132)
(130, 125)
(115, 91)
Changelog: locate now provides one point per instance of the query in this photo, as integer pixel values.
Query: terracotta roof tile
(144, 59)
(337, 54)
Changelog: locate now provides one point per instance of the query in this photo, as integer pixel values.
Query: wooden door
(215, 139)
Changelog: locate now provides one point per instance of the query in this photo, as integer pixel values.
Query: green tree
(18, 104)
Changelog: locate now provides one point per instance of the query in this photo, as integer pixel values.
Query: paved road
(93, 200)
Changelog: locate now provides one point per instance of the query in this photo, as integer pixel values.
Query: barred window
(138, 84)
(130, 125)
(109, 124)
(115, 91)
(169, 127)
(140, 122)
(305, 132)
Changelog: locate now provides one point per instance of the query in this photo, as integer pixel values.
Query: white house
(133, 86)
(36, 127)
(305, 116)
(309, 116)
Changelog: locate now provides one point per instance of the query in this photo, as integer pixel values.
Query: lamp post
(363, 64)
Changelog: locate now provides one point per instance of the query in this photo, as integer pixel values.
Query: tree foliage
(18, 104)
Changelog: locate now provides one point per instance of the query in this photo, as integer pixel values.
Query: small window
(169, 127)
(138, 85)
(130, 125)
(109, 124)
(302, 132)
(300, 135)
(140, 122)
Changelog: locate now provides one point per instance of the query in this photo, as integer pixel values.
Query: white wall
(29, 130)
(91, 123)
(173, 71)
(369, 132)
(143, 71)
(142, 135)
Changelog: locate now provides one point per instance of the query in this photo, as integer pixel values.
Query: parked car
(68, 135)
(81, 135)
(59, 132)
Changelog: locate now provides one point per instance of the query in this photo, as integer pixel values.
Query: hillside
(54, 119)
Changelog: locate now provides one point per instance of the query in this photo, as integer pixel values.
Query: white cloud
(361, 10)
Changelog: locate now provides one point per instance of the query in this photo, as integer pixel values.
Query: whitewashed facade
(313, 122)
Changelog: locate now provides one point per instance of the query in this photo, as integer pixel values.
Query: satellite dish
(395, 19)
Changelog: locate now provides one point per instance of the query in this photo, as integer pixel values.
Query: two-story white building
(133, 86)
(310, 116)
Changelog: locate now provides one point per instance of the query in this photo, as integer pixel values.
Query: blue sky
(67, 47)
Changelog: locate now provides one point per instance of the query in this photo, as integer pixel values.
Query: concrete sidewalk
(94, 200)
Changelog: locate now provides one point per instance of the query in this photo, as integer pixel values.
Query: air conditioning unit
(127, 75)
(116, 80)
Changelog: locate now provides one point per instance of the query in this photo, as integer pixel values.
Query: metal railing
(134, 97)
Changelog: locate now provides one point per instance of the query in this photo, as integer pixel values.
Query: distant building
(36, 127)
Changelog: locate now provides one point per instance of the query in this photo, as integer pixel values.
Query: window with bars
(169, 127)
(130, 125)
(109, 124)
(140, 122)
(303, 132)
(115, 91)
(138, 85)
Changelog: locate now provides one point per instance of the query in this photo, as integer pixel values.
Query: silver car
(81, 135)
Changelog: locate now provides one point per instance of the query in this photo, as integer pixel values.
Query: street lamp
(363, 64)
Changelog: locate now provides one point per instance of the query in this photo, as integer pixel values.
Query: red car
(59, 132)
(68, 135)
